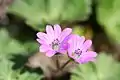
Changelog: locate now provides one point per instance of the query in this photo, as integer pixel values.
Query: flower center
(77, 53)
(55, 44)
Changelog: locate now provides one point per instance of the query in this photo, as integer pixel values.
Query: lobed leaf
(108, 16)
(105, 68)
(37, 13)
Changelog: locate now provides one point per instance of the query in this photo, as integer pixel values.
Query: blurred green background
(98, 20)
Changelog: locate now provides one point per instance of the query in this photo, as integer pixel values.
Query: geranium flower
(78, 49)
(54, 40)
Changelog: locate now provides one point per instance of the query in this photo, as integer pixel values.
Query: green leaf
(31, 46)
(76, 10)
(108, 15)
(105, 68)
(40, 12)
(30, 76)
(7, 73)
(8, 45)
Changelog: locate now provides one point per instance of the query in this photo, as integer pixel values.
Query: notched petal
(57, 31)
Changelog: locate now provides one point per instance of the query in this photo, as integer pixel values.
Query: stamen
(77, 53)
(55, 44)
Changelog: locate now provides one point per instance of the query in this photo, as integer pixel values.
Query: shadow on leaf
(19, 63)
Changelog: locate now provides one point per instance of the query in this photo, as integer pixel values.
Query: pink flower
(54, 40)
(78, 49)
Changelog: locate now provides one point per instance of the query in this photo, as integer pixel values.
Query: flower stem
(65, 64)
(57, 62)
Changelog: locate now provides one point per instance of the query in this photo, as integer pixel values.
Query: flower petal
(72, 42)
(40, 34)
(43, 37)
(71, 47)
(66, 32)
(80, 42)
(63, 47)
(41, 41)
(64, 44)
(71, 54)
(50, 53)
(57, 31)
(50, 32)
(87, 56)
(86, 45)
(44, 48)
(62, 51)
